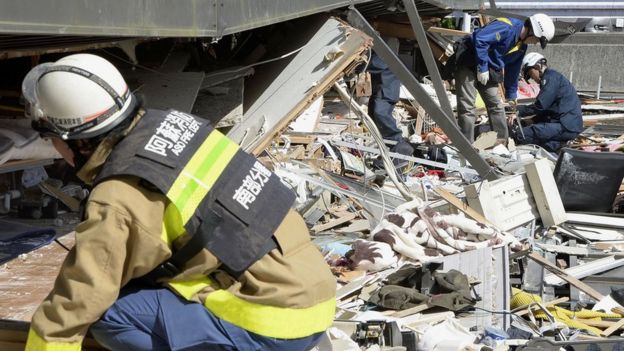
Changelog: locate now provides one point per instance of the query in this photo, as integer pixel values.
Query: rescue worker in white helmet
(555, 117)
(489, 56)
(187, 243)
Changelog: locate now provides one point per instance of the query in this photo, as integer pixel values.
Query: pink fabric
(611, 147)
(526, 90)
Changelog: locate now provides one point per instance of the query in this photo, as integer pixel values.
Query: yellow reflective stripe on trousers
(271, 321)
(200, 173)
(36, 343)
(189, 288)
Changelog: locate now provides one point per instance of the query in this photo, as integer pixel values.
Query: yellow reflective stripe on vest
(518, 44)
(504, 19)
(515, 48)
(201, 172)
(173, 228)
(271, 321)
(36, 343)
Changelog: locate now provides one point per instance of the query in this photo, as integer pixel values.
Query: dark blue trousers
(550, 136)
(157, 319)
(385, 89)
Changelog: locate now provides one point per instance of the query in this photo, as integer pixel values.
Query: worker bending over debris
(187, 242)
(492, 55)
(555, 117)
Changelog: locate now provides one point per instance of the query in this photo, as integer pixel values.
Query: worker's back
(566, 106)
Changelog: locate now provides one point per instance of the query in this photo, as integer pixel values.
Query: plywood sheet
(27, 280)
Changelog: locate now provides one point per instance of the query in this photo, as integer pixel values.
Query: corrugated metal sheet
(425, 8)
(177, 18)
(153, 18)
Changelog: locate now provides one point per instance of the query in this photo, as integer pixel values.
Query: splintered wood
(28, 279)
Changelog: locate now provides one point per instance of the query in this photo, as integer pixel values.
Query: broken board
(281, 90)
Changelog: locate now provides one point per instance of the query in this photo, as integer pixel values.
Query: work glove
(483, 77)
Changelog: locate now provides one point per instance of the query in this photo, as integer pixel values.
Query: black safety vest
(227, 200)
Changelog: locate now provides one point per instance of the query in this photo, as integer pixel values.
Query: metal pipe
(7, 197)
(346, 98)
(427, 54)
(466, 26)
(418, 160)
(598, 89)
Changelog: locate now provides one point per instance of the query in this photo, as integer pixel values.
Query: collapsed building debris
(458, 246)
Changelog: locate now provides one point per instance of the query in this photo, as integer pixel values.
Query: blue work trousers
(550, 136)
(157, 319)
(385, 93)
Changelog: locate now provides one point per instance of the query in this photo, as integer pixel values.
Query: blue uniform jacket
(556, 102)
(498, 46)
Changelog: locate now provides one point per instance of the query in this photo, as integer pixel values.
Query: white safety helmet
(530, 60)
(543, 28)
(79, 96)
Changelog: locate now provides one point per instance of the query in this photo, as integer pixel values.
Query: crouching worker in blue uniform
(555, 117)
(187, 242)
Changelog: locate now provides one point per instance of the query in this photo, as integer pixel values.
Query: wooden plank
(618, 310)
(460, 205)
(595, 323)
(447, 31)
(334, 223)
(73, 204)
(544, 189)
(617, 325)
(568, 250)
(396, 30)
(412, 310)
(568, 278)
(300, 139)
(547, 304)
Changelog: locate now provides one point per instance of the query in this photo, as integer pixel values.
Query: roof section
(169, 18)
(152, 18)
